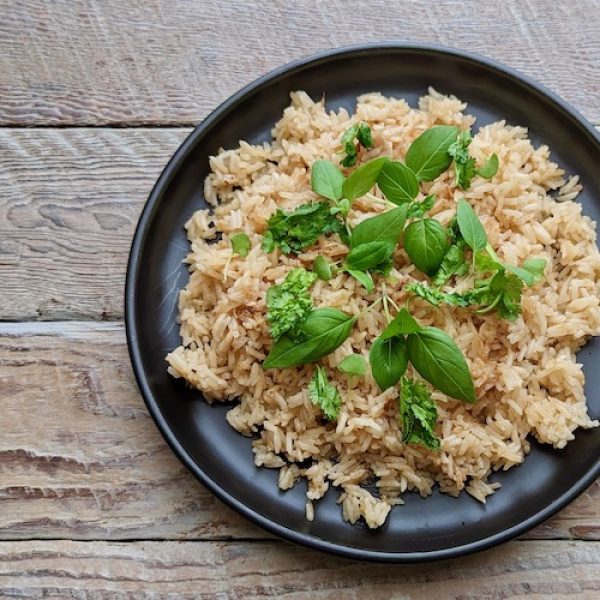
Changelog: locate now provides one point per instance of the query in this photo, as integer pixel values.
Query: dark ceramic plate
(423, 529)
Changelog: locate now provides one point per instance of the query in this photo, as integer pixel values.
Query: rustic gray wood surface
(95, 96)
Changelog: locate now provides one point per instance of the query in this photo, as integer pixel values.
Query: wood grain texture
(80, 457)
(98, 62)
(69, 206)
(223, 571)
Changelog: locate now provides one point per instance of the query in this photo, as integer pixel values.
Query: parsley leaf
(289, 303)
(418, 414)
(436, 297)
(464, 165)
(454, 263)
(240, 244)
(360, 132)
(297, 230)
(324, 394)
(500, 292)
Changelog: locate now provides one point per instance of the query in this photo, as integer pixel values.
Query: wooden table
(94, 99)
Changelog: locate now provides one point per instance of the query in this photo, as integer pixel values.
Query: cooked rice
(526, 375)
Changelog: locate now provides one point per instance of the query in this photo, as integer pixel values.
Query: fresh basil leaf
(363, 278)
(489, 168)
(418, 414)
(417, 210)
(324, 395)
(388, 359)
(426, 243)
(240, 244)
(326, 180)
(428, 155)
(386, 227)
(369, 255)
(436, 297)
(464, 164)
(353, 364)
(322, 268)
(437, 358)
(470, 226)
(363, 179)
(323, 331)
(402, 324)
(341, 206)
(397, 182)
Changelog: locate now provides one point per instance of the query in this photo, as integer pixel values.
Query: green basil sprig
(470, 226)
(386, 227)
(388, 359)
(324, 330)
(398, 183)
(426, 243)
(363, 179)
(428, 155)
(327, 180)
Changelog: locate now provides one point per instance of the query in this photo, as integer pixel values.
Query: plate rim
(133, 267)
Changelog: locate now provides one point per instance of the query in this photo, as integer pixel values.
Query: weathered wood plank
(275, 570)
(68, 209)
(81, 459)
(172, 61)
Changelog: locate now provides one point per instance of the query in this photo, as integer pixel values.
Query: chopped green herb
(289, 303)
(464, 164)
(398, 183)
(500, 292)
(321, 333)
(240, 244)
(426, 243)
(428, 155)
(324, 395)
(438, 359)
(353, 364)
(489, 169)
(360, 132)
(436, 297)
(301, 228)
(326, 180)
(418, 414)
(454, 263)
(322, 268)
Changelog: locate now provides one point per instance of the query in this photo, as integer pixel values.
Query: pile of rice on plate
(525, 372)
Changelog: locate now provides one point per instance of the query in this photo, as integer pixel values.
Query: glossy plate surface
(422, 529)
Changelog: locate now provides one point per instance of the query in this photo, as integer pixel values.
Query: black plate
(423, 529)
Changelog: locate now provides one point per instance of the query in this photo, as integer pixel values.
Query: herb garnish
(353, 364)
(489, 168)
(322, 268)
(428, 155)
(240, 244)
(361, 181)
(464, 164)
(297, 230)
(324, 394)
(360, 132)
(289, 303)
(418, 414)
(426, 243)
(398, 183)
(388, 359)
(326, 180)
(436, 297)
(323, 331)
